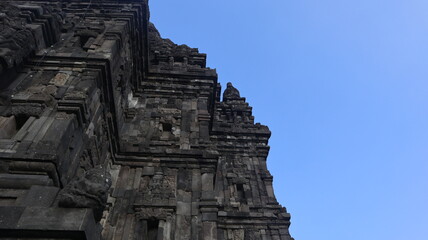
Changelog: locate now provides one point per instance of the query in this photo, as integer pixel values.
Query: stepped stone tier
(108, 131)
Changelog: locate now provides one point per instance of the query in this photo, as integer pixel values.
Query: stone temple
(108, 131)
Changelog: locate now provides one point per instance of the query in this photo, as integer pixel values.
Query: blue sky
(343, 85)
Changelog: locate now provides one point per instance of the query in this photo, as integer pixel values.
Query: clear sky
(343, 86)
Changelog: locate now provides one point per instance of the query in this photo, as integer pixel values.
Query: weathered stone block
(40, 196)
(7, 127)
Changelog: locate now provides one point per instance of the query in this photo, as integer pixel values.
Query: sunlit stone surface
(108, 131)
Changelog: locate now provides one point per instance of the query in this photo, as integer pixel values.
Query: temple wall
(109, 131)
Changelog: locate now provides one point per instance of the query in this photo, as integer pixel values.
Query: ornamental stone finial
(231, 92)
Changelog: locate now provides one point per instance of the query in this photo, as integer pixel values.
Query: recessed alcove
(152, 229)
(9, 126)
(167, 127)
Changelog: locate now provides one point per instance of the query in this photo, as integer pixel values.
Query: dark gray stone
(40, 196)
(101, 87)
(9, 217)
(89, 191)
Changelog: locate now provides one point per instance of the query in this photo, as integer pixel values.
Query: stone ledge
(70, 223)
